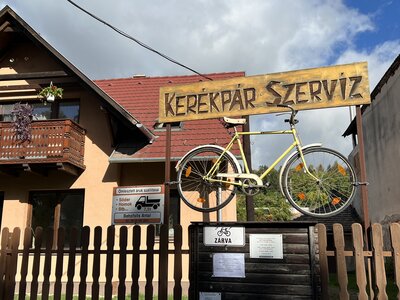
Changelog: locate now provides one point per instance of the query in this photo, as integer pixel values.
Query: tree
(269, 203)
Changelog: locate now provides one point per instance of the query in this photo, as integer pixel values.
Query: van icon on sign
(145, 201)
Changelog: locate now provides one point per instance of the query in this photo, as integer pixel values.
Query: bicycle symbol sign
(223, 236)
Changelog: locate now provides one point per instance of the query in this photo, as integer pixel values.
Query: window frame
(57, 212)
(54, 107)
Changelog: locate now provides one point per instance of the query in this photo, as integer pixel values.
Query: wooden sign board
(335, 86)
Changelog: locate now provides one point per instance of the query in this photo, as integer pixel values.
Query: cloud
(258, 37)
(379, 59)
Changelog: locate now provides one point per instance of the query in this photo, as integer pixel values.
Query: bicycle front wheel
(202, 194)
(328, 191)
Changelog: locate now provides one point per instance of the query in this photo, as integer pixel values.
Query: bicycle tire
(198, 193)
(327, 197)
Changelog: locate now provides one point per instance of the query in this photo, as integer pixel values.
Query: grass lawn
(391, 289)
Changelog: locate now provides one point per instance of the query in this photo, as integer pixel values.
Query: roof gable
(9, 20)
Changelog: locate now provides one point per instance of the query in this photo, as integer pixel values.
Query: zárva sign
(335, 86)
(138, 205)
(223, 236)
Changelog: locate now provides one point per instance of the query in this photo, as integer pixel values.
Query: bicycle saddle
(233, 122)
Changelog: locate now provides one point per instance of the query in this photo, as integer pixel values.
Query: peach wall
(99, 177)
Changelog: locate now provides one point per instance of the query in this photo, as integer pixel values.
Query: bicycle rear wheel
(330, 193)
(201, 194)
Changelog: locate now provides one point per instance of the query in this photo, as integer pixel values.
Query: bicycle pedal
(267, 184)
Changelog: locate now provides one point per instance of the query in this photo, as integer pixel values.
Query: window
(5, 112)
(55, 209)
(66, 109)
(56, 110)
(174, 213)
(163, 126)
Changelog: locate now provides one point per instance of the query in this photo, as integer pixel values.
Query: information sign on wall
(223, 236)
(266, 246)
(334, 86)
(138, 205)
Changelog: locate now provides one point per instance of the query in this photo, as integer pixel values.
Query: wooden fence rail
(104, 266)
(369, 262)
(39, 266)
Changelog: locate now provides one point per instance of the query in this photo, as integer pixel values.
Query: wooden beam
(68, 168)
(35, 169)
(33, 75)
(17, 88)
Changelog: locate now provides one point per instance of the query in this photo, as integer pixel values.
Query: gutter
(146, 132)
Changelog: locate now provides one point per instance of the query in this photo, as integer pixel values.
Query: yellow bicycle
(317, 181)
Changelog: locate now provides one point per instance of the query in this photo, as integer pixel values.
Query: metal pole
(219, 211)
(247, 153)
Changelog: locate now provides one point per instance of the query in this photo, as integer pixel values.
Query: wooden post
(247, 153)
(167, 173)
(363, 172)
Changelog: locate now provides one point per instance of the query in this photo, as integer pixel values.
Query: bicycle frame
(247, 174)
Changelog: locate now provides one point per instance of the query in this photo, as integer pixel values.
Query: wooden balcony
(55, 144)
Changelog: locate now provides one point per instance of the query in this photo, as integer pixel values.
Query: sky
(255, 36)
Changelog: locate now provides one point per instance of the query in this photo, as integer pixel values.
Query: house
(101, 135)
(381, 130)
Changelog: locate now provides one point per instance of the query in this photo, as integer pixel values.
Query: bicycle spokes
(325, 189)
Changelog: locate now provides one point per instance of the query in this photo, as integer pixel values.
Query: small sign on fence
(138, 205)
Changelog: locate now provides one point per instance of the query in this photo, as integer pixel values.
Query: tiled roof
(140, 97)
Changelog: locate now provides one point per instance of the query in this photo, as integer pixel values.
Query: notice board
(276, 261)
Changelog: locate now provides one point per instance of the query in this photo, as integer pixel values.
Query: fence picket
(69, 293)
(96, 262)
(36, 263)
(109, 262)
(379, 262)
(13, 259)
(358, 243)
(47, 264)
(135, 263)
(163, 263)
(340, 260)
(3, 259)
(59, 263)
(123, 240)
(11, 256)
(149, 262)
(395, 238)
(84, 261)
(24, 263)
(323, 261)
(177, 262)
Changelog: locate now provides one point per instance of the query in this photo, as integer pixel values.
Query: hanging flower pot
(50, 97)
(51, 92)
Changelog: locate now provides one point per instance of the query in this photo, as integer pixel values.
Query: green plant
(51, 90)
(22, 116)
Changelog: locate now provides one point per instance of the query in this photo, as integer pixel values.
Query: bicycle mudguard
(239, 167)
(316, 145)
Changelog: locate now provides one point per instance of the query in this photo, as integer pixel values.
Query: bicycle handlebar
(293, 113)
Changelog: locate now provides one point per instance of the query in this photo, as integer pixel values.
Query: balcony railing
(52, 142)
